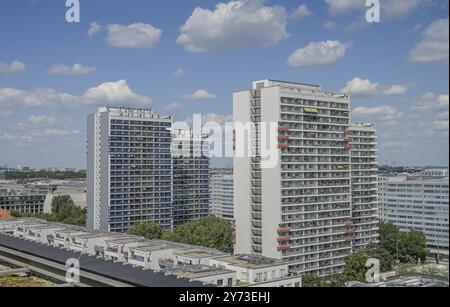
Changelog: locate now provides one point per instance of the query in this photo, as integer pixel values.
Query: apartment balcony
(283, 240)
(283, 231)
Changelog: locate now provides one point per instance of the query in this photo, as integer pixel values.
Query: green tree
(390, 237)
(211, 232)
(313, 281)
(63, 211)
(413, 246)
(148, 230)
(387, 261)
(60, 201)
(355, 267)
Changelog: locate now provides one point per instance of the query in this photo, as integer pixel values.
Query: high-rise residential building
(418, 203)
(191, 161)
(129, 169)
(300, 210)
(222, 194)
(364, 167)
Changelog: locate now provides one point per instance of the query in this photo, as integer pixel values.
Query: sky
(181, 57)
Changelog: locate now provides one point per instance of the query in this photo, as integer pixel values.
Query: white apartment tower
(129, 169)
(364, 166)
(191, 161)
(222, 195)
(301, 209)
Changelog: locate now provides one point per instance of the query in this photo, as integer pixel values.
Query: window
(220, 283)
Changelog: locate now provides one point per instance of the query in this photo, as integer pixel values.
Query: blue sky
(166, 56)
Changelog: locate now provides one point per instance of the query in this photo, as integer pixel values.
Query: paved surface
(116, 271)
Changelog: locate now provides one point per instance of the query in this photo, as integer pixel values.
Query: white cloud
(435, 43)
(329, 25)
(5, 113)
(201, 95)
(56, 133)
(94, 29)
(179, 72)
(391, 8)
(170, 108)
(136, 36)
(114, 92)
(430, 102)
(401, 8)
(301, 12)
(397, 144)
(359, 87)
(6, 137)
(13, 67)
(440, 125)
(11, 98)
(41, 120)
(382, 113)
(318, 53)
(443, 116)
(236, 24)
(344, 6)
(396, 90)
(73, 70)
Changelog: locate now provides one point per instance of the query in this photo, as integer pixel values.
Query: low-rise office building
(22, 200)
(418, 203)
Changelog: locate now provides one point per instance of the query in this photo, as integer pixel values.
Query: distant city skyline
(148, 54)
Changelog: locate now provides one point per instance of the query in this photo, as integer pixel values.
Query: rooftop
(198, 271)
(251, 261)
(116, 271)
(406, 281)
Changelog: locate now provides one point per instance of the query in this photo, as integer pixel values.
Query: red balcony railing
(283, 230)
(281, 240)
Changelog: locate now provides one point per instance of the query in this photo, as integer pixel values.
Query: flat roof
(197, 253)
(199, 271)
(116, 271)
(251, 263)
(150, 247)
(125, 240)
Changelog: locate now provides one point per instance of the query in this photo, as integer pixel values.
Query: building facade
(191, 162)
(417, 203)
(300, 210)
(364, 175)
(22, 201)
(129, 169)
(222, 195)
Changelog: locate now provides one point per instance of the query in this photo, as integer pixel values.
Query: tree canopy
(210, 232)
(148, 230)
(63, 211)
